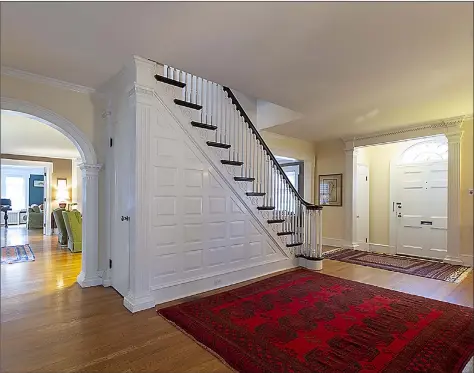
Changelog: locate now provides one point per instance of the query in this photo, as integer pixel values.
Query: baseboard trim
(335, 242)
(467, 259)
(453, 260)
(185, 289)
(86, 282)
(136, 304)
(381, 248)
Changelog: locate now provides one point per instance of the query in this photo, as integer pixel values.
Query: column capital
(454, 137)
(90, 170)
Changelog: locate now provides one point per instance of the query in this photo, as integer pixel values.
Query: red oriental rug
(303, 321)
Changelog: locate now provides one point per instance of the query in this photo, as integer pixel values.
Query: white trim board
(467, 259)
(380, 248)
(219, 280)
(437, 127)
(26, 75)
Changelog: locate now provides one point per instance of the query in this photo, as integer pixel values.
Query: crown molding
(21, 74)
(437, 127)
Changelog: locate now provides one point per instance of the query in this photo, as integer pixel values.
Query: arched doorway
(89, 275)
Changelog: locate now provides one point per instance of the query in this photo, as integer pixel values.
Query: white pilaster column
(454, 201)
(89, 275)
(142, 101)
(349, 197)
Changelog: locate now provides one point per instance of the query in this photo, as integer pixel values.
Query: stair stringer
(165, 95)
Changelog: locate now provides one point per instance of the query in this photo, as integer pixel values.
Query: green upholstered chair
(58, 218)
(73, 222)
(35, 217)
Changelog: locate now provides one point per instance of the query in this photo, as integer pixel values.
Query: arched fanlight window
(433, 149)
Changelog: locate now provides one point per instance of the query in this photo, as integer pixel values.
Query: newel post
(315, 258)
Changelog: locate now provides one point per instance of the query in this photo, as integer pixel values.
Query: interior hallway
(50, 324)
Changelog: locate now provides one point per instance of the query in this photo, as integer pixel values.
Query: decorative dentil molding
(36, 78)
(447, 126)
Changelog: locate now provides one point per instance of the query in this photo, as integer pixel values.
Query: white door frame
(452, 129)
(47, 195)
(90, 274)
(365, 246)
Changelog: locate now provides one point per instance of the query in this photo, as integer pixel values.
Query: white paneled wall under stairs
(223, 123)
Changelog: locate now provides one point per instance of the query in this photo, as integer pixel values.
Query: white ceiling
(350, 68)
(23, 135)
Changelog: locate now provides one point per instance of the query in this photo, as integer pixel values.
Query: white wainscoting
(200, 234)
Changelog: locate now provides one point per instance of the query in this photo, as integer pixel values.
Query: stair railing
(301, 221)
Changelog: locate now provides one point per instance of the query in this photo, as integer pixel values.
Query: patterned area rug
(413, 266)
(303, 321)
(17, 254)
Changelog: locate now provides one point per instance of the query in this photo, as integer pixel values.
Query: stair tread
(232, 163)
(166, 80)
(274, 221)
(204, 125)
(255, 194)
(190, 105)
(284, 233)
(243, 178)
(218, 144)
(294, 244)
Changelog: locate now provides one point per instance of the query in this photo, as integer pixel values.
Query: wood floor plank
(50, 324)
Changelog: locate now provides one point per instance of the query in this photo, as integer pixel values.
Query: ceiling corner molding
(432, 128)
(21, 74)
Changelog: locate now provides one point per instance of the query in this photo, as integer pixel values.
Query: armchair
(35, 217)
(73, 222)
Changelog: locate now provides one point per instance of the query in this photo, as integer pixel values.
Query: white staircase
(221, 124)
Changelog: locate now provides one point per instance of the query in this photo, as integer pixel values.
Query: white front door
(362, 207)
(421, 207)
(120, 251)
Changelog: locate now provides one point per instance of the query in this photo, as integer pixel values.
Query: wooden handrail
(242, 112)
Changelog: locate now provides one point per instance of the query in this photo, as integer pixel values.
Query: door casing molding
(452, 129)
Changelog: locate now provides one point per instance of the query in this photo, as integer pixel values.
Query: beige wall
(83, 110)
(62, 168)
(378, 159)
(298, 149)
(330, 159)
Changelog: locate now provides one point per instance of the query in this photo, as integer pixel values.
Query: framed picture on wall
(38, 183)
(330, 190)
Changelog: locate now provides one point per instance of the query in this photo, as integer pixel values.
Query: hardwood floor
(50, 324)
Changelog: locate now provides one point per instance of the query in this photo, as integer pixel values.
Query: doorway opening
(294, 169)
(51, 145)
(401, 204)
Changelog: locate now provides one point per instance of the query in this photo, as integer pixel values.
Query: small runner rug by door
(412, 266)
(17, 254)
(303, 321)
